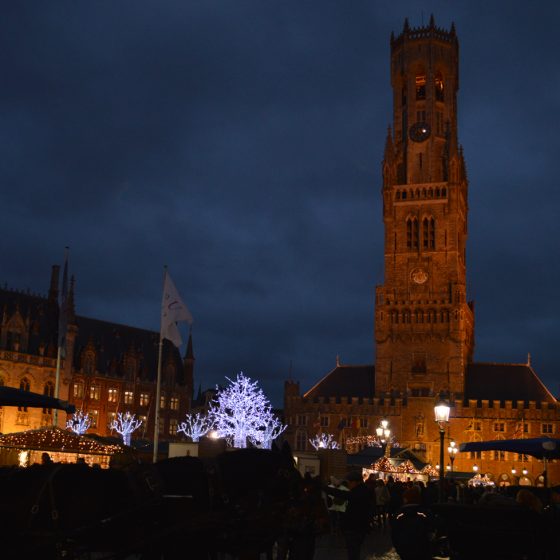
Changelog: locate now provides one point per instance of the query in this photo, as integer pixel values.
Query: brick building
(108, 367)
(424, 323)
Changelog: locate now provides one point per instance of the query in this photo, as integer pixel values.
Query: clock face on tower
(419, 132)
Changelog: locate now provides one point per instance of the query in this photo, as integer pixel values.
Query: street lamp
(452, 450)
(525, 471)
(384, 434)
(475, 468)
(441, 411)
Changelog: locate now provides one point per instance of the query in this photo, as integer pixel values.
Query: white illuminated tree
(124, 424)
(241, 412)
(268, 431)
(79, 423)
(324, 441)
(195, 426)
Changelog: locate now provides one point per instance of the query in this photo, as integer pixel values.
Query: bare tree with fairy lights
(268, 431)
(195, 426)
(324, 441)
(241, 412)
(124, 424)
(79, 423)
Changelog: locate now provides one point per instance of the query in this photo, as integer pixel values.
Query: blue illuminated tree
(124, 424)
(241, 412)
(79, 423)
(195, 426)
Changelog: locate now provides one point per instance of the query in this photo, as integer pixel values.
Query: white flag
(172, 310)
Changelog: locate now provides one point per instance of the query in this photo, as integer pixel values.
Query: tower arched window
(439, 87)
(412, 233)
(421, 86)
(428, 233)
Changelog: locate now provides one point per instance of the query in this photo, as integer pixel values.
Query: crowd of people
(357, 506)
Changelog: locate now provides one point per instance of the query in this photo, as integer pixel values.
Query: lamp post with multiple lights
(384, 433)
(441, 411)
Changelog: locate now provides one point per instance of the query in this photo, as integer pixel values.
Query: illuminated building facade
(108, 367)
(424, 323)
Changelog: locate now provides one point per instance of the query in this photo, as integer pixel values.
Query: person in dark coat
(355, 522)
(412, 529)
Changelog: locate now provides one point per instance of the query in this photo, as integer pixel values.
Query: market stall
(63, 446)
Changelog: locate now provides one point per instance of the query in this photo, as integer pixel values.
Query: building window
(94, 416)
(324, 421)
(475, 454)
(172, 427)
(499, 455)
(547, 428)
(78, 390)
(439, 87)
(363, 422)
(144, 420)
(48, 391)
(144, 399)
(161, 425)
(162, 400)
(301, 440)
(128, 397)
(112, 394)
(499, 427)
(301, 420)
(174, 403)
(94, 392)
(24, 385)
(477, 426)
(111, 416)
(421, 87)
(525, 428)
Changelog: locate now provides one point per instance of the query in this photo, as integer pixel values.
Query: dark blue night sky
(240, 143)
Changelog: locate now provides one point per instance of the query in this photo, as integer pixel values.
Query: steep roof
(112, 341)
(346, 381)
(505, 382)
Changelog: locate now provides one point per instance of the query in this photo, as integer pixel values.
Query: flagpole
(61, 337)
(158, 383)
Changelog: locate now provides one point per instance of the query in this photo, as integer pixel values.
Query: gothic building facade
(107, 367)
(424, 323)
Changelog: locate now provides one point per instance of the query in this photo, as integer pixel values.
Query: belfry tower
(424, 326)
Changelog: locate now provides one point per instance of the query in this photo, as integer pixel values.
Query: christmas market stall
(63, 446)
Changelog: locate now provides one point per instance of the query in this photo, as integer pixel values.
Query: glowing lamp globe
(441, 411)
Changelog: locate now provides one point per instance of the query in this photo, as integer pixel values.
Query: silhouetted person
(412, 528)
(46, 459)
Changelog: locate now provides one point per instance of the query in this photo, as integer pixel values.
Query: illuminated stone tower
(424, 326)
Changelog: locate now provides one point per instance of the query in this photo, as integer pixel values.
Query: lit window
(172, 427)
(144, 420)
(128, 397)
(547, 429)
(499, 455)
(144, 399)
(112, 395)
(94, 416)
(162, 400)
(499, 427)
(477, 425)
(161, 425)
(78, 390)
(94, 392)
(111, 416)
(174, 403)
